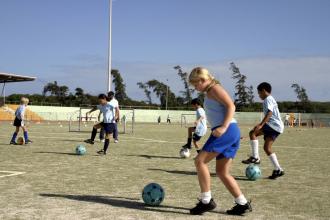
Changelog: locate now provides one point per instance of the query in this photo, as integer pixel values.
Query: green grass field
(57, 184)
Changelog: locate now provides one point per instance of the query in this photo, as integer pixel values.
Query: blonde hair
(24, 101)
(199, 73)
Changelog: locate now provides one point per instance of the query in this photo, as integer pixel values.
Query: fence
(55, 113)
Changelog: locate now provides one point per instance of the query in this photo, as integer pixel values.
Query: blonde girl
(19, 122)
(222, 144)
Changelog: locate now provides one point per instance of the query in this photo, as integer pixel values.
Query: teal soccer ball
(80, 150)
(253, 172)
(153, 194)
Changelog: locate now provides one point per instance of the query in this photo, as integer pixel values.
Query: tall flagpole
(109, 52)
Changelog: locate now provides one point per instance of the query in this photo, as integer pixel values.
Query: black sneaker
(28, 142)
(276, 174)
(240, 209)
(101, 152)
(186, 146)
(89, 141)
(13, 143)
(251, 160)
(200, 207)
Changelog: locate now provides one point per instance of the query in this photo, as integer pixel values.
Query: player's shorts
(109, 128)
(269, 132)
(227, 144)
(17, 122)
(196, 137)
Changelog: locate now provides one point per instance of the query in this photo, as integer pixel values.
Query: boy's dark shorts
(269, 132)
(17, 122)
(196, 137)
(109, 128)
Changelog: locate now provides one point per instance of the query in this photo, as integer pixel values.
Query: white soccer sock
(255, 148)
(241, 200)
(274, 161)
(206, 197)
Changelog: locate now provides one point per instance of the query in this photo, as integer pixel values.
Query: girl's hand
(219, 131)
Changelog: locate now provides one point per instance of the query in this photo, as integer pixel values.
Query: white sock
(255, 148)
(206, 197)
(241, 200)
(274, 161)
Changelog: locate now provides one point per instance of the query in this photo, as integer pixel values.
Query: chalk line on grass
(178, 142)
(10, 173)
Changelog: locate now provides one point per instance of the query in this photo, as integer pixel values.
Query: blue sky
(283, 42)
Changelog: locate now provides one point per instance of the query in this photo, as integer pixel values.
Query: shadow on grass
(192, 173)
(120, 202)
(153, 156)
(50, 152)
(244, 178)
(72, 140)
(241, 178)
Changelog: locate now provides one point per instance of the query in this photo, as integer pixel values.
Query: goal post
(78, 122)
(187, 119)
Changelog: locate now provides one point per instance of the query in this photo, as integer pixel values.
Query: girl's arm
(92, 110)
(22, 115)
(117, 113)
(199, 120)
(266, 118)
(264, 121)
(219, 94)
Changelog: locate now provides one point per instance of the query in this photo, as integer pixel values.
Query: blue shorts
(17, 122)
(269, 132)
(196, 137)
(109, 128)
(226, 145)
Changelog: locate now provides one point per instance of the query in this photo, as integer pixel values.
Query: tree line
(243, 97)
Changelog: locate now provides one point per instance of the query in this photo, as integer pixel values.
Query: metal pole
(109, 52)
(4, 92)
(166, 93)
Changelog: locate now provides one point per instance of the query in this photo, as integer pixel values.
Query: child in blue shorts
(222, 144)
(109, 118)
(270, 127)
(199, 130)
(19, 122)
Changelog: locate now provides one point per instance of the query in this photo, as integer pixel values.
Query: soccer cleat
(276, 174)
(89, 141)
(116, 141)
(186, 146)
(102, 140)
(28, 142)
(251, 160)
(101, 152)
(200, 207)
(240, 209)
(13, 143)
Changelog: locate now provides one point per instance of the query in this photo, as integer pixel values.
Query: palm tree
(52, 88)
(147, 92)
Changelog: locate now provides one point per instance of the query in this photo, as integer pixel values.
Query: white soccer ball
(184, 153)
